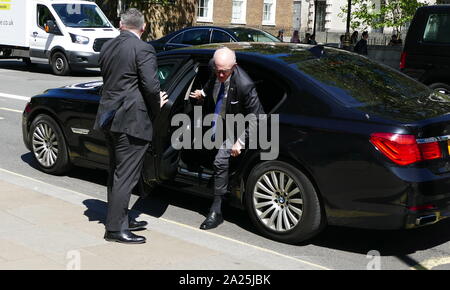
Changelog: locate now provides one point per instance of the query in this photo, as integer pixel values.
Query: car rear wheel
(49, 146)
(282, 202)
(441, 87)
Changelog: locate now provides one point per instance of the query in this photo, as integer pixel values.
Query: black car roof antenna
(318, 51)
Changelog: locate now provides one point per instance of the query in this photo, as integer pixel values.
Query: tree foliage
(389, 13)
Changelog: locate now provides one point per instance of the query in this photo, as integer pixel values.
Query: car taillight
(404, 149)
(430, 150)
(403, 60)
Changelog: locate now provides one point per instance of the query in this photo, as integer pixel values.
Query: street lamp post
(315, 17)
(347, 41)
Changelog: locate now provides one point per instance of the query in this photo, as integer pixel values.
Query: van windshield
(81, 15)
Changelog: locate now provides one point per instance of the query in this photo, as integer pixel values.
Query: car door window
(220, 36)
(196, 36)
(177, 39)
(43, 15)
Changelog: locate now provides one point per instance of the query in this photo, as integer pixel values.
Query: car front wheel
(48, 145)
(283, 203)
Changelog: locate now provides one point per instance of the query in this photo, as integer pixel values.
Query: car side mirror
(51, 27)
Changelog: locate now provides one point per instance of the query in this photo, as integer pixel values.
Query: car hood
(85, 86)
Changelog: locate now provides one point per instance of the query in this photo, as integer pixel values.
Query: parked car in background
(198, 35)
(360, 144)
(426, 54)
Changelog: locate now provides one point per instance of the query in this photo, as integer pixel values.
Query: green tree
(390, 13)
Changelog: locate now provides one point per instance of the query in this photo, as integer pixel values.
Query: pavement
(43, 226)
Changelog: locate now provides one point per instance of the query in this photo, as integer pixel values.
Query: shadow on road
(96, 176)
(18, 65)
(388, 243)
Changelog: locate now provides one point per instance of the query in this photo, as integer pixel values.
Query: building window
(269, 9)
(239, 11)
(205, 10)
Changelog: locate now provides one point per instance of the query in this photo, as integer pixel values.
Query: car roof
(229, 29)
(274, 51)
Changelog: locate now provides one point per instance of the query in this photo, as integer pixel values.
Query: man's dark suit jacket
(130, 94)
(242, 97)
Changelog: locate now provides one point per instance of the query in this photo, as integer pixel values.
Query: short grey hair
(231, 55)
(132, 19)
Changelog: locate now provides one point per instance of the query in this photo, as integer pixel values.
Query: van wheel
(441, 87)
(283, 203)
(60, 65)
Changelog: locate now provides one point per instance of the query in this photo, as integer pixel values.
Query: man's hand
(164, 100)
(236, 149)
(197, 94)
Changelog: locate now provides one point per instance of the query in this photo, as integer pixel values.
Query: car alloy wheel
(45, 145)
(49, 145)
(278, 201)
(282, 202)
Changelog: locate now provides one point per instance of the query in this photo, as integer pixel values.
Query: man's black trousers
(125, 167)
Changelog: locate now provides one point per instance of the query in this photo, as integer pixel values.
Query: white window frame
(273, 11)
(243, 18)
(209, 16)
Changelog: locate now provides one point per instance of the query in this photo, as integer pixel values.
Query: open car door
(161, 162)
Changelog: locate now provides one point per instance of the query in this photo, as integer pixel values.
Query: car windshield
(81, 15)
(356, 81)
(252, 35)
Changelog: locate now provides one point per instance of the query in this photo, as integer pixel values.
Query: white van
(65, 34)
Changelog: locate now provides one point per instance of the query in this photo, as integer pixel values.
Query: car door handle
(35, 34)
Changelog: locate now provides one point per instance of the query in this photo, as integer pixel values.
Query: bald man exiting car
(229, 91)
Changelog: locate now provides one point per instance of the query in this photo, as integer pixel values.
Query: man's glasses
(223, 71)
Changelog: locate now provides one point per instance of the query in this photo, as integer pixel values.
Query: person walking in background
(281, 35)
(395, 41)
(307, 38)
(354, 38)
(295, 37)
(312, 40)
(341, 41)
(361, 46)
(130, 100)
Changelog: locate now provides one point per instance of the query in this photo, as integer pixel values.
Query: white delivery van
(65, 34)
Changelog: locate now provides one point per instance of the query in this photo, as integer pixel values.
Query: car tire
(283, 203)
(59, 63)
(444, 88)
(49, 146)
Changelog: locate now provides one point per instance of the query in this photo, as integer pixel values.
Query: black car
(198, 35)
(360, 144)
(426, 54)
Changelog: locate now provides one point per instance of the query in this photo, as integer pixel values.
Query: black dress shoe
(125, 237)
(213, 220)
(135, 225)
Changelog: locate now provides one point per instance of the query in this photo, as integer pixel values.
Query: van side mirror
(51, 27)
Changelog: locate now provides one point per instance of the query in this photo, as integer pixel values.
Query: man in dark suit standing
(229, 91)
(130, 99)
(361, 46)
